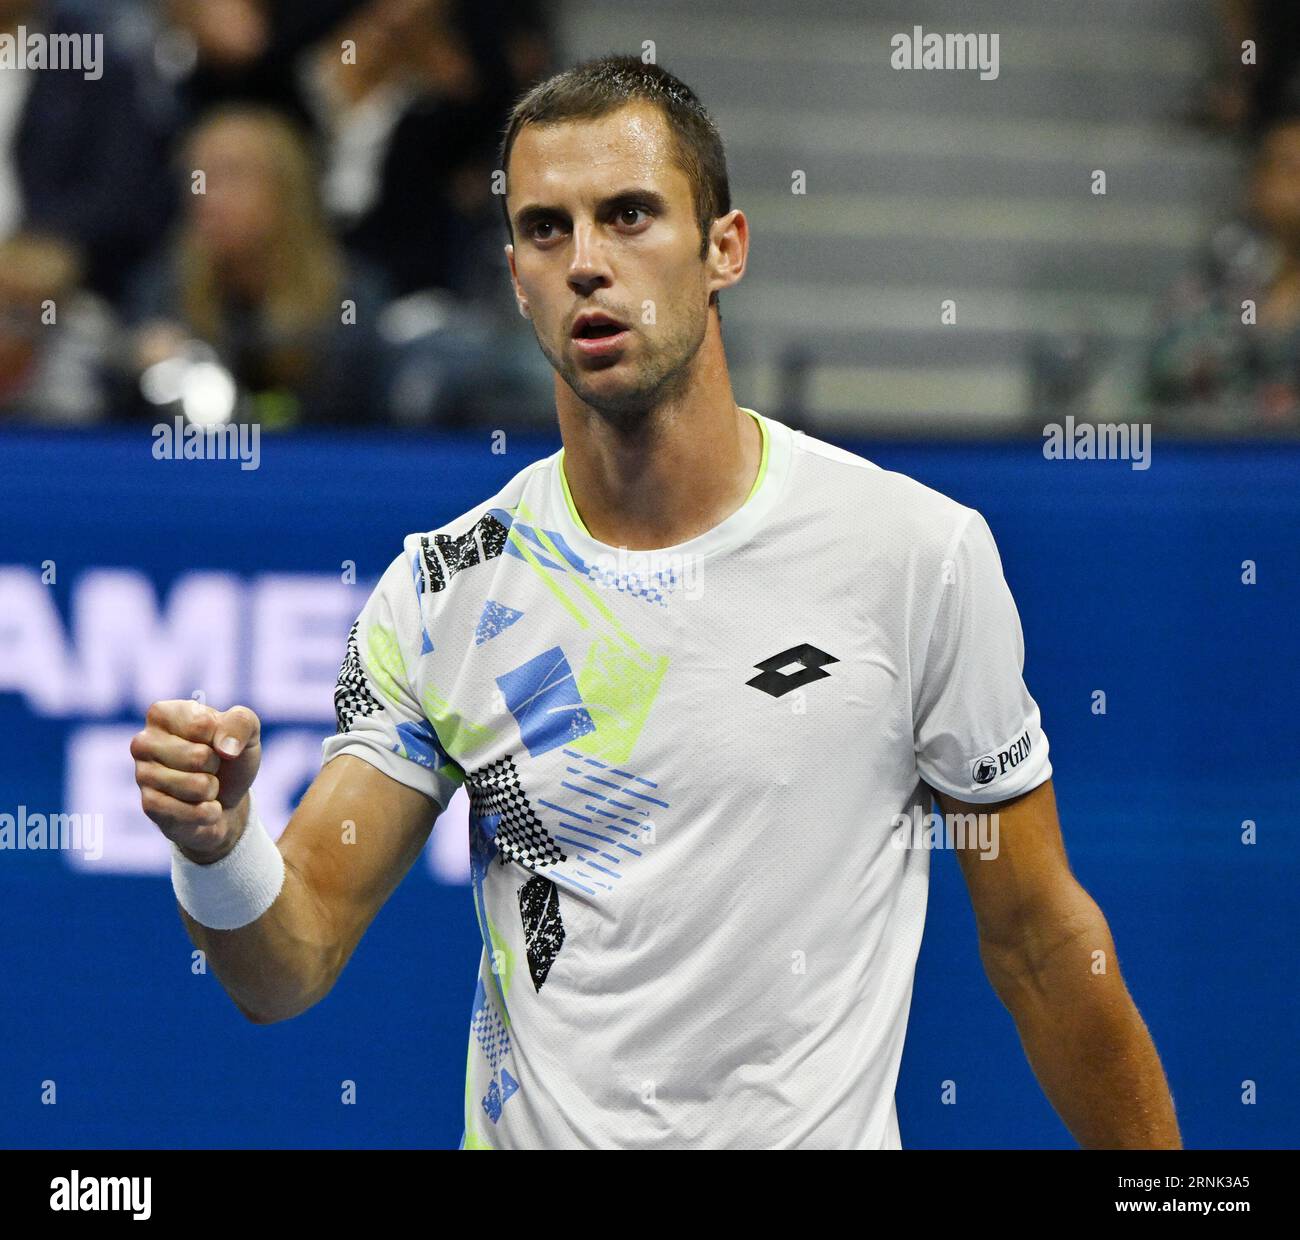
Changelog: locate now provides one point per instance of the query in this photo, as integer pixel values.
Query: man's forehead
(635, 139)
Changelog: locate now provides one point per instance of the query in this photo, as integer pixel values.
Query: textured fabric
(238, 889)
(684, 773)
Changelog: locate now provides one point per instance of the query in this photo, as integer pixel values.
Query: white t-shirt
(685, 771)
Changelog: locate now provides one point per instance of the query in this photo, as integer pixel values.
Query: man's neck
(684, 470)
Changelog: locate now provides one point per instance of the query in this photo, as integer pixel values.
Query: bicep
(353, 837)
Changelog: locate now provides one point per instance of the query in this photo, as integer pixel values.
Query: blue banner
(1158, 607)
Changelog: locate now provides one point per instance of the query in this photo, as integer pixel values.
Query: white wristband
(239, 888)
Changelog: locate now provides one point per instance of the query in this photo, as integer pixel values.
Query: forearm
(282, 963)
(1083, 1035)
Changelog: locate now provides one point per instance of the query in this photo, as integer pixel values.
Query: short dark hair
(599, 86)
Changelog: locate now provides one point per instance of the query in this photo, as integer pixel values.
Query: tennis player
(695, 671)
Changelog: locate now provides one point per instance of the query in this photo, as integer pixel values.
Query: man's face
(605, 221)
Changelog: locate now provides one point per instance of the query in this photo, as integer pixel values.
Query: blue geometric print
(489, 1031)
(542, 694)
(496, 618)
(493, 1038)
(568, 552)
(653, 587)
(543, 553)
(607, 825)
(420, 744)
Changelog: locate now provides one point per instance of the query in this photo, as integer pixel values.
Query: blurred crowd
(1226, 352)
(270, 210)
(281, 211)
(1226, 356)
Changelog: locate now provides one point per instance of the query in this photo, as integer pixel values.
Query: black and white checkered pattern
(352, 696)
(520, 835)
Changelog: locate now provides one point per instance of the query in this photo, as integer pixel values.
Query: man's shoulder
(479, 533)
(865, 493)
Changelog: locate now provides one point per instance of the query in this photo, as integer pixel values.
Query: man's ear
(727, 252)
(520, 300)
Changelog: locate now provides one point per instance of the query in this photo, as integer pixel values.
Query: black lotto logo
(807, 661)
(991, 766)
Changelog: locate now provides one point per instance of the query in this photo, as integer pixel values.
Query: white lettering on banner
(300, 625)
(130, 656)
(100, 773)
(274, 643)
(99, 768)
(128, 653)
(34, 656)
(290, 760)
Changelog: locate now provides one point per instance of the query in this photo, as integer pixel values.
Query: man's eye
(540, 224)
(625, 211)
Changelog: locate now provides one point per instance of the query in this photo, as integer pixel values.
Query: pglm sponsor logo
(1099, 441)
(921, 50)
(650, 574)
(103, 1192)
(35, 49)
(83, 833)
(180, 440)
(976, 832)
(994, 765)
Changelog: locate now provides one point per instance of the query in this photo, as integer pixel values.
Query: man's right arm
(349, 843)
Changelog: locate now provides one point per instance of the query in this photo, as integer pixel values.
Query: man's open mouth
(596, 326)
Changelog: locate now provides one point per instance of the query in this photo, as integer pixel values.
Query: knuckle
(201, 758)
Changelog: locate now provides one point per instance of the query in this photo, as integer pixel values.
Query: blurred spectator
(412, 118)
(1207, 366)
(255, 274)
(1276, 91)
(84, 158)
(228, 51)
(53, 337)
(410, 97)
(1249, 98)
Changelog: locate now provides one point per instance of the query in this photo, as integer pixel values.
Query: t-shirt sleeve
(380, 718)
(976, 728)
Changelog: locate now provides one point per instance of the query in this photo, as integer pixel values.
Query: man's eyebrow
(534, 212)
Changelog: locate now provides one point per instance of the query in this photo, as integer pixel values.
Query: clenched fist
(194, 765)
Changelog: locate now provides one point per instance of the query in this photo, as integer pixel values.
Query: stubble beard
(660, 378)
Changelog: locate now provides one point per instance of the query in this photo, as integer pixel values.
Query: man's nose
(588, 268)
